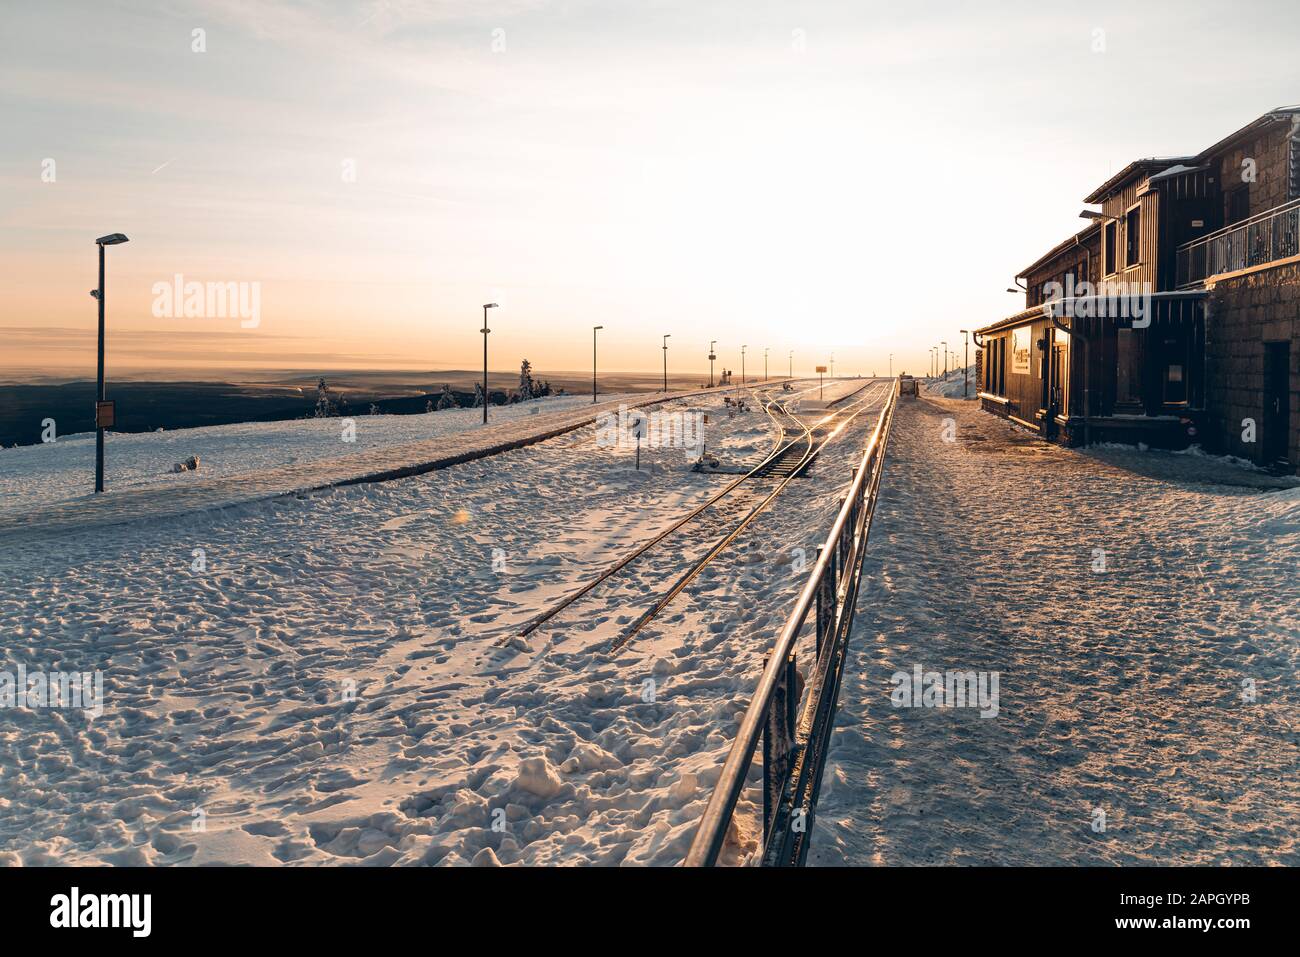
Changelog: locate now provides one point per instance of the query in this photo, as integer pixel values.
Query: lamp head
(112, 239)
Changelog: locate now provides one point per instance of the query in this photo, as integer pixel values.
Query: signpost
(639, 430)
(821, 371)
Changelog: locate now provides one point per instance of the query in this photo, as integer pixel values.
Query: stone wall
(1244, 313)
(1271, 153)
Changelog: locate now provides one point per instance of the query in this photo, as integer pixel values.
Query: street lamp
(712, 355)
(944, 343)
(832, 365)
(765, 351)
(891, 365)
(485, 330)
(666, 338)
(103, 410)
(965, 365)
(742, 364)
(593, 363)
(791, 363)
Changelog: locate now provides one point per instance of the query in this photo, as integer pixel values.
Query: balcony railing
(1264, 238)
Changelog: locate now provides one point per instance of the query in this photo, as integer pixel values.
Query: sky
(839, 178)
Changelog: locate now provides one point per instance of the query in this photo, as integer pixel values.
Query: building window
(1176, 359)
(995, 369)
(1133, 236)
(1109, 243)
(1239, 204)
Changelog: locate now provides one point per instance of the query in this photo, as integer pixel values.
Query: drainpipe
(1087, 366)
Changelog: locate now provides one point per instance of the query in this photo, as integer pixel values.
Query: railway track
(715, 525)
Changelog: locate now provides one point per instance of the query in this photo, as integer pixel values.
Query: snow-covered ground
(957, 384)
(64, 469)
(1131, 602)
(336, 677)
(295, 457)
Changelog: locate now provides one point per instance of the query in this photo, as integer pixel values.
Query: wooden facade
(1092, 375)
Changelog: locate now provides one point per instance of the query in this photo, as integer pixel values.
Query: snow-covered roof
(1176, 170)
(1138, 167)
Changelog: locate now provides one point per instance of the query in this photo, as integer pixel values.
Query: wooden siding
(1185, 200)
(1117, 205)
(1022, 390)
(1082, 261)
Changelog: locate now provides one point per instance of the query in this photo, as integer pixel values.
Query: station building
(1173, 317)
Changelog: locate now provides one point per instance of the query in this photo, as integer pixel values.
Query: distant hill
(146, 406)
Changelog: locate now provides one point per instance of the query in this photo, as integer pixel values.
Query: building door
(1061, 374)
(1277, 401)
(1128, 371)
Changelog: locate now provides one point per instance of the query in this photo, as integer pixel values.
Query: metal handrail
(1262, 238)
(832, 589)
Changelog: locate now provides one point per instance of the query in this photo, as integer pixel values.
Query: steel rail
(640, 550)
(776, 685)
(718, 547)
(756, 472)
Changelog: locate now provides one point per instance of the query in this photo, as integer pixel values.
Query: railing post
(819, 611)
(778, 727)
(792, 696)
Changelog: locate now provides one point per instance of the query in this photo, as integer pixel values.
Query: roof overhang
(1142, 167)
(1093, 305)
(1061, 247)
(1281, 114)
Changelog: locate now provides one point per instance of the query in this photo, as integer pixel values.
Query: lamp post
(742, 364)
(945, 356)
(791, 363)
(712, 355)
(765, 351)
(965, 364)
(666, 338)
(832, 365)
(103, 412)
(485, 330)
(593, 362)
(891, 365)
